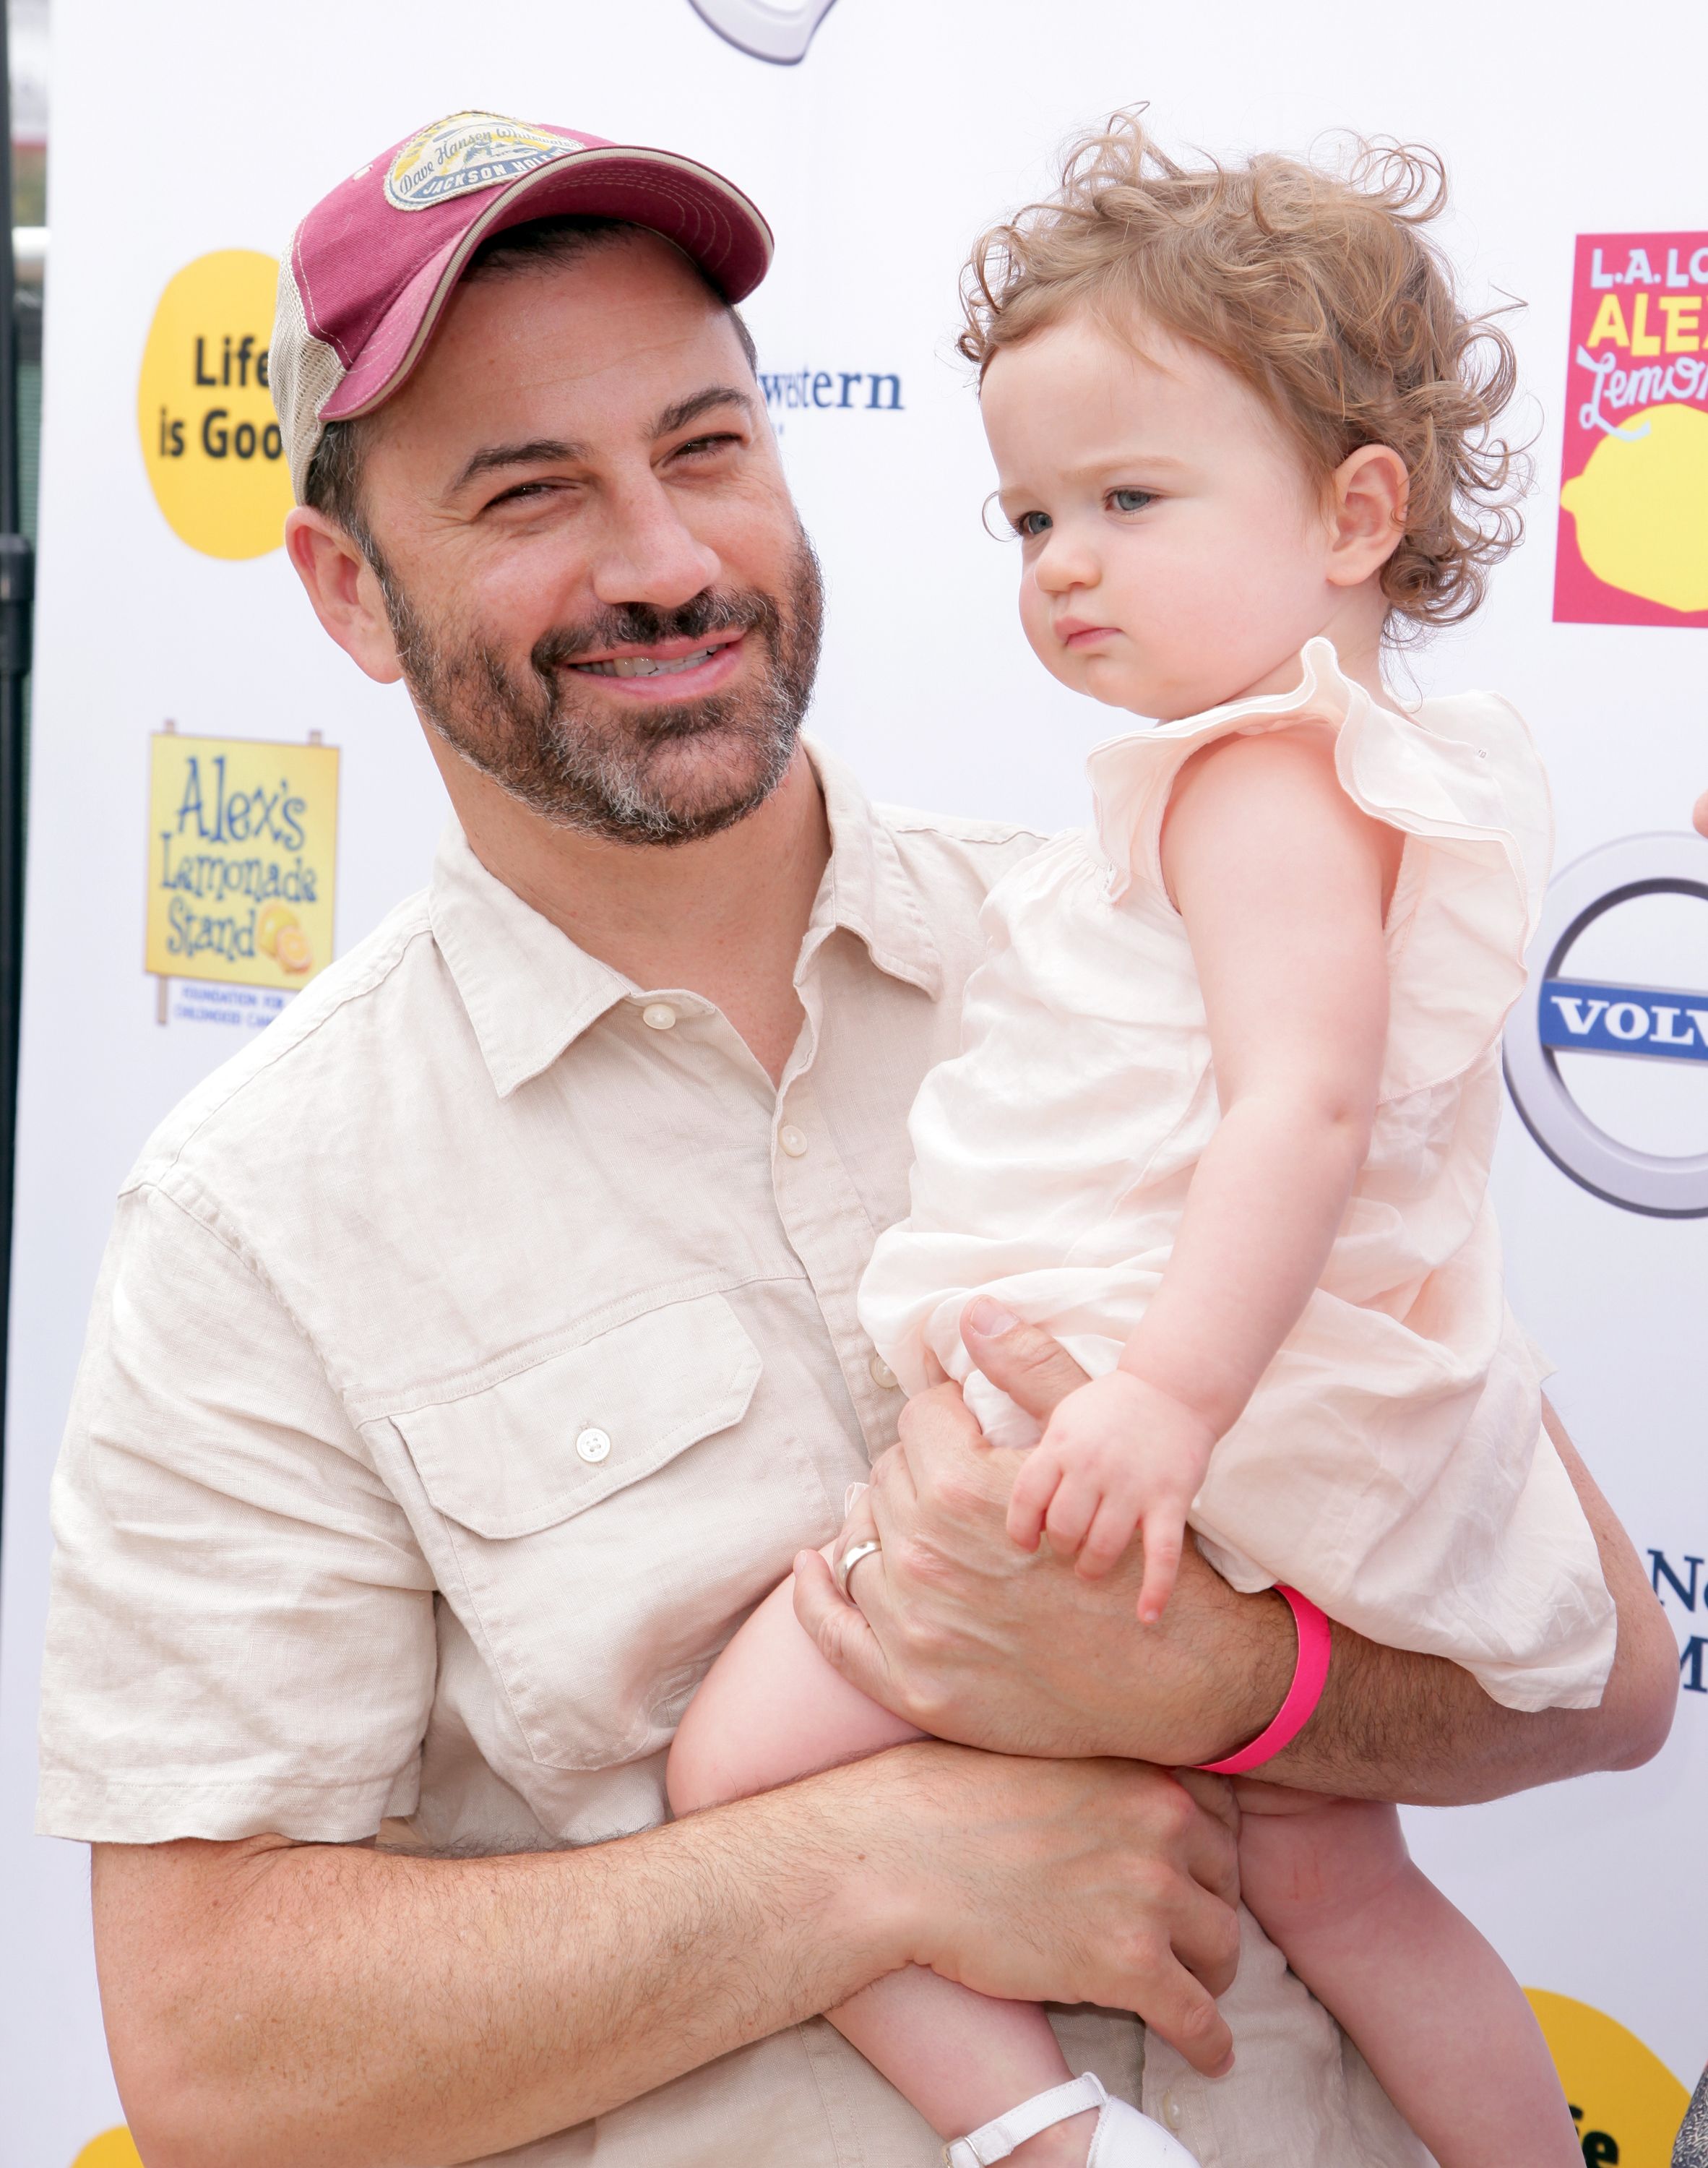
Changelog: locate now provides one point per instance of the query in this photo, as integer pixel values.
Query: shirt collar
(530, 991)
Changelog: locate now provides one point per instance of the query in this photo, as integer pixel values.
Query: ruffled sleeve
(1461, 778)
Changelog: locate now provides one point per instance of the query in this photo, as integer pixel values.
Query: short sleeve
(240, 1633)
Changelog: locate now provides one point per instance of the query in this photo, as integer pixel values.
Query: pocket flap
(556, 1438)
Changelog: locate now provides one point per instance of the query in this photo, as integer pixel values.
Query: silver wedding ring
(850, 1558)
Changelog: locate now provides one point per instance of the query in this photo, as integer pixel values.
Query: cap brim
(706, 216)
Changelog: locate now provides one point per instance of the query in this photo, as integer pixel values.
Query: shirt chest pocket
(603, 1518)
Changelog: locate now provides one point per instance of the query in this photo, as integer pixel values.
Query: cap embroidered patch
(466, 152)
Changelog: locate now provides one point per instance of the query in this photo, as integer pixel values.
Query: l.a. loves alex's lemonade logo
(469, 151)
(1626, 2102)
(1633, 542)
(211, 439)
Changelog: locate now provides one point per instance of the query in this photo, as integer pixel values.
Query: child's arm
(1281, 882)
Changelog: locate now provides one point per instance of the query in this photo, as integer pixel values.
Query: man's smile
(691, 666)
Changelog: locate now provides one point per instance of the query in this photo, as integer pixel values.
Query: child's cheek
(1035, 622)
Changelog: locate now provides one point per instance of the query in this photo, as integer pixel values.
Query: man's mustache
(639, 624)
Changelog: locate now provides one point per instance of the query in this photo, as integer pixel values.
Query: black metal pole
(17, 592)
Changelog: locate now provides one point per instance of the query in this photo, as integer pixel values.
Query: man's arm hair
(275, 2003)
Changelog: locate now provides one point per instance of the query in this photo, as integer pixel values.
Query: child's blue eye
(1131, 500)
(1031, 525)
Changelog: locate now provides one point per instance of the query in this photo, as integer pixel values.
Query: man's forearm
(274, 2003)
(967, 1636)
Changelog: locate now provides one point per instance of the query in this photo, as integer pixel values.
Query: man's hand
(1118, 1458)
(1066, 1881)
(969, 1638)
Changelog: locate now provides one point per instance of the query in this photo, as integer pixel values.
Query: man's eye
(1030, 525)
(1131, 500)
(699, 447)
(523, 493)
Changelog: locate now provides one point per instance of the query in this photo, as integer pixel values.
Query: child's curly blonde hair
(1320, 291)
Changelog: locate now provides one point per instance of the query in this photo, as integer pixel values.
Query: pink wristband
(1310, 1676)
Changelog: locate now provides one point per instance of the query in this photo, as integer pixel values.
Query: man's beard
(663, 774)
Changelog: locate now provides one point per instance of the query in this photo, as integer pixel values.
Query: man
(475, 1351)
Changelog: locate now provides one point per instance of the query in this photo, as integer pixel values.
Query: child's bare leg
(771, 1710)
(1434, 2012)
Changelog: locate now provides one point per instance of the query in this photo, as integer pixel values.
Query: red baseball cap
(370, 268)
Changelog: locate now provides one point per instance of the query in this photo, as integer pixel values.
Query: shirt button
(658, 1016)
(882, 1375)
(792, 1142)
(593, 1445)
(1171, 2110)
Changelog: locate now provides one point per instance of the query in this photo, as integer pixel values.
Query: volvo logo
(778, 30)
(1561, 1013)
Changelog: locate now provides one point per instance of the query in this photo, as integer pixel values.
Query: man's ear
(1367, 514)
(341, 585)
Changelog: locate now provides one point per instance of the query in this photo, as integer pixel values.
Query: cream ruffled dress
(1391, 1464)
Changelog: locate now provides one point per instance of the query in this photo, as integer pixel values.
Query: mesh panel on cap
(302, 374)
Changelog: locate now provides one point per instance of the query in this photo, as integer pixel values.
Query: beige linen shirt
(470, 1356)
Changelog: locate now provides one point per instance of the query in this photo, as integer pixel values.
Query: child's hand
(1119, 1457)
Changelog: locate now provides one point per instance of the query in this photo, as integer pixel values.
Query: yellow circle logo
(113, 2148)
(210, 438)
(1626, 2102)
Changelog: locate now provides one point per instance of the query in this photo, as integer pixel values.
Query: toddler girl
(1229, 1079)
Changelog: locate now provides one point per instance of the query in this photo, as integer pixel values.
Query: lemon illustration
(272, 921)
(291, 947)
(1641, 509)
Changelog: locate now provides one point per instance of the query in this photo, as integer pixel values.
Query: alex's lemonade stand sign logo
(211, 439)
(242, 856)
(1633, 546)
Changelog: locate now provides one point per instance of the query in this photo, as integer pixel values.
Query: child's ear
(1367, 514)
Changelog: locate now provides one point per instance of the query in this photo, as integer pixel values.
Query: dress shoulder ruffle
(1460, 777)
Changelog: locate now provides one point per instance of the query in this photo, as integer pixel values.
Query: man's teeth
(644, 666)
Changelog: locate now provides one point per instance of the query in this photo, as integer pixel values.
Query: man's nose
(648, 554)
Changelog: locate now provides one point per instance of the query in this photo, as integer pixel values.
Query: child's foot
(1055, 2129)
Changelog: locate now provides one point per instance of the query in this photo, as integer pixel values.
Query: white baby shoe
(1123, 2138)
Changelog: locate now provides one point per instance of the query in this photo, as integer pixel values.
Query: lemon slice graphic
(291, 947)
(270, 923)
(1641, 509)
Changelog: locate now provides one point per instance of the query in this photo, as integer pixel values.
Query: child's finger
(1072, 1510)
(1030, 1499)
(1111, 1532)
(1164, 1533)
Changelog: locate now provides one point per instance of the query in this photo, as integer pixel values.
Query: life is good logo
(210, 437)
(1567, 1013)
(1633, 533)
(766, 30)
(1626, 2105)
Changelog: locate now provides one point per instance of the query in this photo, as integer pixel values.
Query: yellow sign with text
(211, 439)
(1626, 2102)
(243, 860)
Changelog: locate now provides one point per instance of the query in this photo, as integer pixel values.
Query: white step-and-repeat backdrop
(219, 803)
